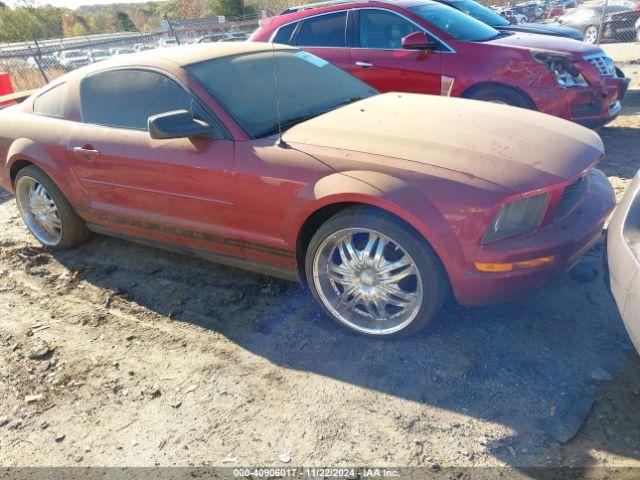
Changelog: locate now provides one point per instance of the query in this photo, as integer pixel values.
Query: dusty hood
(518, 149)
(547, 43)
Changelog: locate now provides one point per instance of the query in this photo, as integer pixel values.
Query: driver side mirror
(177, 124)
(418, 41)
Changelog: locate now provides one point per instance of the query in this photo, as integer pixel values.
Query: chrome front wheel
(39, 211)
(367, 281)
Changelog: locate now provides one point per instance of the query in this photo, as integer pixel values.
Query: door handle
(364, 64)
(87, 152)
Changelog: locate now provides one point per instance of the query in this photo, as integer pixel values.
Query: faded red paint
(248, 199)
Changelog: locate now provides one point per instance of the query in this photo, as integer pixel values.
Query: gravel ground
(117, 354)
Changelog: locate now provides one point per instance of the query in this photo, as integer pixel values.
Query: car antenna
(281, 143)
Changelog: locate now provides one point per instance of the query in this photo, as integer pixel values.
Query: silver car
(623, 259)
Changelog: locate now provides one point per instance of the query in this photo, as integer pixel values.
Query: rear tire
(46, 212)
(502, 95)
(374, 275)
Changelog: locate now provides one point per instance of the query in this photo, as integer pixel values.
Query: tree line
(27, 21)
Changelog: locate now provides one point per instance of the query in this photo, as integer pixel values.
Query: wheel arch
(380, 192)
(476, 87)
(24, 152)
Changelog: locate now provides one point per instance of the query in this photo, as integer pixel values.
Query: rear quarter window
(283, 35)
(52, 103)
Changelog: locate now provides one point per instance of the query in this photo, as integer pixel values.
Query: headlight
(561, 68)
(517, 217)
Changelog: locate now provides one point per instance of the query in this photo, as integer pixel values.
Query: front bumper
(623, 259)
(592, 106)
(566, 239)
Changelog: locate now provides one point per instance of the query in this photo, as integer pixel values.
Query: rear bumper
(566, 239)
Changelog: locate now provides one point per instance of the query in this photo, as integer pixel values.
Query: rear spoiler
(12, 98)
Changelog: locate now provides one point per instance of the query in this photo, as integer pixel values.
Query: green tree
(3, 5)
(122, 22)
(228, 8)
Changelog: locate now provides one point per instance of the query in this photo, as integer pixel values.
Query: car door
(326, 37)
(176, 190)
(379, 59)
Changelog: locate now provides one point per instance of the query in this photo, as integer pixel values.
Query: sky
(72, 3)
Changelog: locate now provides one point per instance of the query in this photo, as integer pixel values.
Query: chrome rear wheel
(39, 211)
(367, 281)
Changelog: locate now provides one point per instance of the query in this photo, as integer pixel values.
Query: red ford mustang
(381, 204)
(421, 46)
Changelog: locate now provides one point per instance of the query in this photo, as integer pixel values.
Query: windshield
(482, 13)
(456, 24)
(307, 85)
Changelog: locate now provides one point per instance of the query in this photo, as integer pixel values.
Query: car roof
(310, 9)
(183, 55)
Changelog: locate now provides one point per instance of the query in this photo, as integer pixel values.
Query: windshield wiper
(286, 124)
(296, 120)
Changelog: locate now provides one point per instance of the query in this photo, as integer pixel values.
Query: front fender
(383, 191)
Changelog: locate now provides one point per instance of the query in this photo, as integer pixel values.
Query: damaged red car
(422, 46)
(272, 159)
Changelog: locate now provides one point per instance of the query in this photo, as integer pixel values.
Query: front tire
(46, 212)
(502, 95)
(374, 275)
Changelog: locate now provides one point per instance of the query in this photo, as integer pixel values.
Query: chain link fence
(33, 64)
(614, 25)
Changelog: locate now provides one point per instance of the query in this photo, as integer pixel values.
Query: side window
(324, 31)
(127, 98)
(52, 103)
(284, 34)
(383, 30)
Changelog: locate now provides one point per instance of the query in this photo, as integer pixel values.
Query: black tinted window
(52, 103)
(383, 30)
(324, 31)
(127, 98)
(284, 34)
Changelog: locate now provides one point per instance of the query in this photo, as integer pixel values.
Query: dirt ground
(116, 354)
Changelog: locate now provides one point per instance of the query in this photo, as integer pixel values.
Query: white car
(167, 42)
(623, 259)
(98, 55)
(121, 51)
(72, 59)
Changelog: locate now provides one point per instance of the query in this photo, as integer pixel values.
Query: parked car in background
(427, 47)
(167, 42)
(619, 21)
(121, 51)
(98, 55)
(213, 38)
(140, 47)
(379, 208)
(234, 37)
(512, 16)
(72, 59)
(623, 259)
(45, 61)
(555, 10)
(490, 17)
